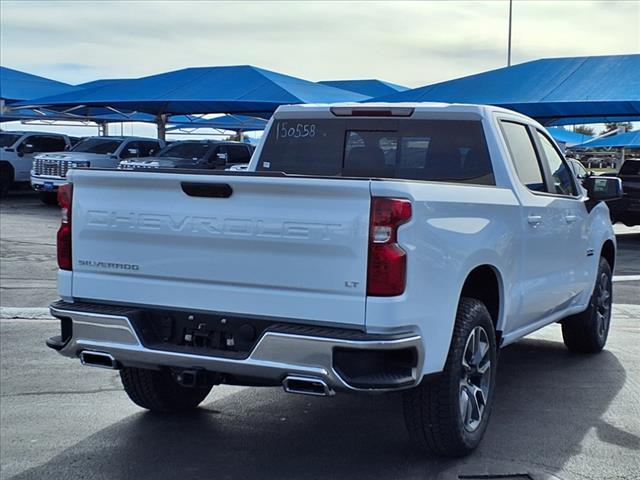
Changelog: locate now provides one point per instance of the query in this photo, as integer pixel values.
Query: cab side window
(148, 149)
(561, 176)
(130, 150)
(238, 154)
(41, 143)
(523, 155)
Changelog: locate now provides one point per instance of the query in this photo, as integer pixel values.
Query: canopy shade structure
(16, 85)
(101, 115)
(548, 89)
(237, 123)
(567, 137)
(621, 140)
(370, 88)
(234, 89)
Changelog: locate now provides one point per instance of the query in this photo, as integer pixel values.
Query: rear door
(291, 248)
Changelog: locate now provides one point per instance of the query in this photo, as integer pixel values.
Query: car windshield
(8, 139)
(186, 150)
(104, 146)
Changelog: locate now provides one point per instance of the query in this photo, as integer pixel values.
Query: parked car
(50, 170)
(368, 249)
(17, 150)
(627, 210)
(195, 154)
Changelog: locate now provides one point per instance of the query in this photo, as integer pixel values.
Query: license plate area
(199, 334)
(48, 185)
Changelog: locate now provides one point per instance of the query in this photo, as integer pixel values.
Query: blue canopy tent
(237, 123)
(235, 89)
(98, 116)
(567, 137)
(621, 140)
(16, 85)
(370, 88)
(553, 91)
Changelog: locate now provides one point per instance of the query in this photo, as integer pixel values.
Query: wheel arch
(485, 283)
(608, 251)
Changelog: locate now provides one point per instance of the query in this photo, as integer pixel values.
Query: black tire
(5, 182)
(157, 390)
(587, 332)
(48, 198)
(433, 410)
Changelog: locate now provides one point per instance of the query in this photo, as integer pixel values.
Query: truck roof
(419, 107)
(31, 132)
(120, 137)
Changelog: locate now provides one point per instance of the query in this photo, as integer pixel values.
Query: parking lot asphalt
(556, 414)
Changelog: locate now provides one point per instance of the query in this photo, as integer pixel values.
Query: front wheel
(48, 198)
(158, 390)
(448, 416)
(587, 332)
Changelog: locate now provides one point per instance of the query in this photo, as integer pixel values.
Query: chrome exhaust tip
(98, 359)
(307, 386)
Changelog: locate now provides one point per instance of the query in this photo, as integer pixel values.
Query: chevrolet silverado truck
(627, 209)
(49, 170)
(194, 154)
(367, 248)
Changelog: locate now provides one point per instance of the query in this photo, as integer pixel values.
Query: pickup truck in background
(367, 248)
(49, 170)
(627, 209)
(194, 154)
(17, 150)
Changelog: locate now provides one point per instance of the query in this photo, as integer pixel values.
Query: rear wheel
(48, 198)
(587, 332)
(158, 390)
(448, 416)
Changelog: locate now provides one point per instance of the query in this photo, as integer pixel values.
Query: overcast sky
(410, 43)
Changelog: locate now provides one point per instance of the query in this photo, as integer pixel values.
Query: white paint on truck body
(295, 247)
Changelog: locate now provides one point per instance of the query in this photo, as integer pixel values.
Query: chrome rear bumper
(275, 356)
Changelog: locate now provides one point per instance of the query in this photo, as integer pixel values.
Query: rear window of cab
(431, 150)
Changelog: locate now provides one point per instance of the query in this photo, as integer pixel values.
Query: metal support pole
(161, 121)
(509, 42)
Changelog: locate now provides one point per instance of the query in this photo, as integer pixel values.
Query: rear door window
(433, 150)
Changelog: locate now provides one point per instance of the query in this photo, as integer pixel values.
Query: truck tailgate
(292, 248)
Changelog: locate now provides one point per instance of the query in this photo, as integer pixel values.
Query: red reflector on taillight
(65, 199)
(387, 265)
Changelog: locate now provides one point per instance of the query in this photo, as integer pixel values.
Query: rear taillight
(65, 198)
(387, 266)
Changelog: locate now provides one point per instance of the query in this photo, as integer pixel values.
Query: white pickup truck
(368, 248)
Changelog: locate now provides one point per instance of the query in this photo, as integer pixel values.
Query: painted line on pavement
(626, 278)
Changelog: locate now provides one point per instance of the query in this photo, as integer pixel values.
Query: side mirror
(603, 188)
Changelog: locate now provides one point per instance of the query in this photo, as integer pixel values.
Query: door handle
(534, 220)
(571, 218)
